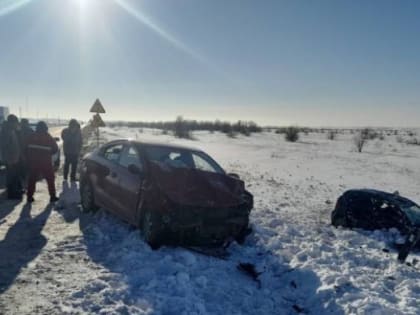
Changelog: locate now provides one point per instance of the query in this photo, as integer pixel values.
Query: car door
(107, 186)
(129, 183)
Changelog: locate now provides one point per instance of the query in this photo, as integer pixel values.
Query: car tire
(151, 229)
(87, 197)
(241, 238)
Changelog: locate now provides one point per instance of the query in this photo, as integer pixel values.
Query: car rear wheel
(151, 229)
(87, 198)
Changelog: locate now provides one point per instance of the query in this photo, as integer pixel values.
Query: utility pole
(26, 107)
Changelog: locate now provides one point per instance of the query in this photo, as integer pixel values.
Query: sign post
(97, 121)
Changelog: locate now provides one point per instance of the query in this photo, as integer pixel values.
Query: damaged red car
(175, 195)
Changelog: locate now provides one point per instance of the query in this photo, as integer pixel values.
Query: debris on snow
(249, 270)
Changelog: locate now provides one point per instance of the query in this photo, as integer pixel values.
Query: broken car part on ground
(373, 210)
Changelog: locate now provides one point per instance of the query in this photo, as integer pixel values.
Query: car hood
(192, 187)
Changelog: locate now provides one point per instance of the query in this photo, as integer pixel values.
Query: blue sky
(318, 63)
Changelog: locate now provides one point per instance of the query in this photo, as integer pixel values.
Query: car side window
(113, 152)
(130, 156)
(203, 165)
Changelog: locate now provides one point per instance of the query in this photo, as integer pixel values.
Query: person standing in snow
(11, 150)
(39, 149)
(25, 132)
(72, 145)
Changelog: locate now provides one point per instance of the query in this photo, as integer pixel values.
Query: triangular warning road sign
(97, 121)
(97, 107)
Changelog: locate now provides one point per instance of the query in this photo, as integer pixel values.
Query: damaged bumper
(207, 226)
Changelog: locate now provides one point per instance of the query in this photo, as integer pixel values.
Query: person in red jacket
(40, 148)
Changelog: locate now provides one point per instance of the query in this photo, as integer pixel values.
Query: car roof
(156, 144)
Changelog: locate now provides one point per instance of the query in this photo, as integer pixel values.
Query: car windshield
(413, 214)
(182, 158)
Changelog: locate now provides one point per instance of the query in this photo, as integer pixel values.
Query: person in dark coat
(11, 151)
(39, 149)
(72, 145)
(25, 132)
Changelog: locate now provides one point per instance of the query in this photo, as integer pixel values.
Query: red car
(176, 195)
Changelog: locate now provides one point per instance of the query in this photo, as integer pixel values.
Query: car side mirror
(134, 169)
(234, 175)
(57, 139)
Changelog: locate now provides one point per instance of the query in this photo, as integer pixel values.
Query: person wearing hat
(40, 148)
(72, 145)
(11, 150)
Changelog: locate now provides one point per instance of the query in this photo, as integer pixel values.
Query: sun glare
(83, 5)
(152, 25)
(8, 6)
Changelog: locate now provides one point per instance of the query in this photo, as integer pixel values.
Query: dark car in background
(176, 195)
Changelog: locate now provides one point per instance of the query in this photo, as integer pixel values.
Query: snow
(57, 260)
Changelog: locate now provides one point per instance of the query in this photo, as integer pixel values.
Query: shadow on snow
(22, 244)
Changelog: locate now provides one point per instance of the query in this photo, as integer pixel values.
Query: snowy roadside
(57, 260)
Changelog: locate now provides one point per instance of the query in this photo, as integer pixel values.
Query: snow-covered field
(59, 261)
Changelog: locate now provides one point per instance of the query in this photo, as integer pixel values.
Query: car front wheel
(152, 229)
(87, 198)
